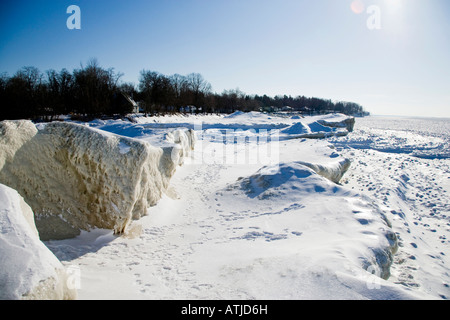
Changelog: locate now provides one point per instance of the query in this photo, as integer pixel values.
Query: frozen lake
(421, 137)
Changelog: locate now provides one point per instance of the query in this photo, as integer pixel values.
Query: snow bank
(297, 128)
(28, 270)
(318, 127)
(332, 224)
(76, 177)
(252, 115)
(314, 130)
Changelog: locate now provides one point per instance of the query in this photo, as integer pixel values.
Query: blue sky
(318, 48)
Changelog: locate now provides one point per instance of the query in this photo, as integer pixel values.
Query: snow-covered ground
(252, 214)
(404, 164)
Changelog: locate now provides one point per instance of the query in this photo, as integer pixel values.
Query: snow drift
(297, 128)
(76, 178)
(28, 269)
(296, 196)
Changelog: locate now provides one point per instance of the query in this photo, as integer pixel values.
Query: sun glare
(393, 6)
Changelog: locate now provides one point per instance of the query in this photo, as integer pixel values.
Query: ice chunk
(13, 135)
(333, 171)
(339, 122)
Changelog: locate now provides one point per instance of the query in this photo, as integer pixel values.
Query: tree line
(92, 91)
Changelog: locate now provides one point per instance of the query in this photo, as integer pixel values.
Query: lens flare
(357, 6)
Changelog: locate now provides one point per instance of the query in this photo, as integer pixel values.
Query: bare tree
(157, 91)
(179, 88)
(199, 88)
(95, 88)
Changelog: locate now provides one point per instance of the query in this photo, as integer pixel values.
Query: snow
(259, 210)
(297, 128)
(29, 270)
(403, 164)
(247, 229)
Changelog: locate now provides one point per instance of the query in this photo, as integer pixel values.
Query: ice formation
(339, 122)
(333, 171)
(76, 177)
(28, 269)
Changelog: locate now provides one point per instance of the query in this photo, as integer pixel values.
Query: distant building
(133, 103)
(123, 101)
